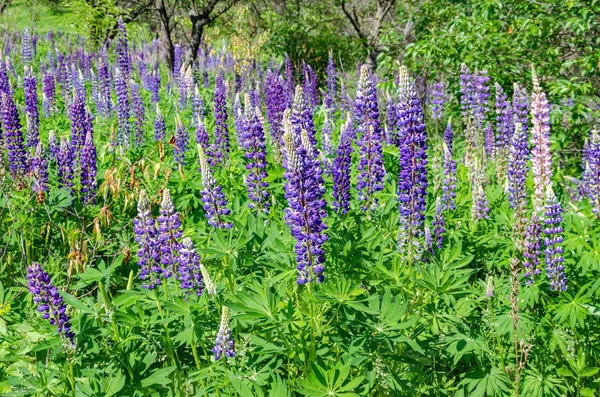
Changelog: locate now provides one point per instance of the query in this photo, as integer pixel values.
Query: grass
(42, 16)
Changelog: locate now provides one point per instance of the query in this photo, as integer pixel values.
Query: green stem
(195, 352)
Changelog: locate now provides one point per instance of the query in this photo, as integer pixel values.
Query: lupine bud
(449, 180)
(209, 286)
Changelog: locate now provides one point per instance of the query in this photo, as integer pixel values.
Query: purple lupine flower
(480, 208)
(540, 138)
(65, 158)
(275, 101)
(182, 85)
(13, 136)
(39, 173)
(197, 106)
(215, 203)
(160, 129)
(53, 145)
(304, 191)
(78, 82)
(4, 82)
(532, 249)
(555, 270)
(190, 274)
(26, 53)
(520, 105)
(439, 223)
(49, 301)
(371, 171)
(341, 168)
(504, 121)
(392, 122)
(224, 341)
(449, 180)
(482, 94)
(182, 140)
(88, 170)
(302, 119)
(221, 146)
(81, 123)
(591, 173)
(49, 93)
(517, 168)
(139, 113)
(202, 137)
(123, 110)
(239, 122)
(412, 177)
(169, 233)
(490, 141)
(144, 226)
(253, 142)
(438, 100)
(31, 108)
(331, 95)
(177, 62)
(123, 57)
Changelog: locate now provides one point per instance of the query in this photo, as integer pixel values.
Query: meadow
(263, 228)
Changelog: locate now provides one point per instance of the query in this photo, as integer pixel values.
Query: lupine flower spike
(224, 341)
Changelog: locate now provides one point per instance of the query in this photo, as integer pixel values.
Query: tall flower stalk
(305, 213)
(342, 167)
(541, 156)
(215, 203)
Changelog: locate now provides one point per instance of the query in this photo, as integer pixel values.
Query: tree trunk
(191, 53)
(167, 49)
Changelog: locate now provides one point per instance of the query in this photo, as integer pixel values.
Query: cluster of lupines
(475, 93)
(438, 100)
(253, 142)
(50, 302)
(412, 177)
(541, 156)
(305, 213)
(215, 203)
(224, 341)
(342, 167)
(371, 172)
(552, 242)
(31, 107)
(81, 123)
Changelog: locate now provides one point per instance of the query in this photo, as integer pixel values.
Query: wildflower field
(264, 228)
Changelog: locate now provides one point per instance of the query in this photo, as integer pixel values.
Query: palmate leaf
(322, 383)
(460, 345)
(483, 383)
(544, 383)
